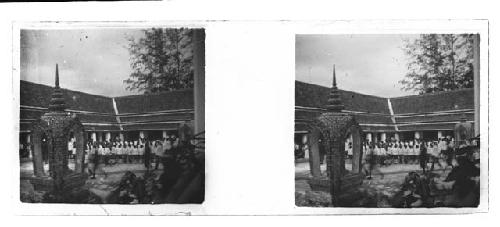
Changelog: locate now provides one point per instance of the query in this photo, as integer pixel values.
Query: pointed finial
(57, 100)
(57, 76)
(334, 101)
(334, 77)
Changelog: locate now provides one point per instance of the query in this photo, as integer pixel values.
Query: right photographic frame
(388, 120)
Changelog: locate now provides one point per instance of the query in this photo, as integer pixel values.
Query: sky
(94, 61)
(367, 64)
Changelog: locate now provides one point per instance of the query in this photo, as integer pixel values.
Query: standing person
(434, 155)
(125, 152)
(133, 151)
(158, 153)
(450, 152)
(70, 148)
(423, 157)
(370, 160)
(415, 151)
(93, 160)
(106, 153)
(139, 149)
(444, 150)
(147, 155)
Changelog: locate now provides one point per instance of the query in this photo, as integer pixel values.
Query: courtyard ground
(107, 177)
(386, 182)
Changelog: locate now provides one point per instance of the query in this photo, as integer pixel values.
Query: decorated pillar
(335, 155)
(57, 124)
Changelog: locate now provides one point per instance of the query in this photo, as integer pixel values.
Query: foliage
(161, 60)
(439, 62)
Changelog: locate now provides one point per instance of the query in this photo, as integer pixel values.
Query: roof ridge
(81, 92)
(159, 93)
(341, 90)
(434, 93)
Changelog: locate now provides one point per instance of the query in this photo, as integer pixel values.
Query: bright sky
(368, 64)
(94, 61)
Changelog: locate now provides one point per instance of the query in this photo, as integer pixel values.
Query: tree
(439, 62)
(161, 60)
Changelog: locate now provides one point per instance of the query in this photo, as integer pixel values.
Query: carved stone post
(336, 170)
(314, 159)
(80, 153)
(37, 154)
(357, 153)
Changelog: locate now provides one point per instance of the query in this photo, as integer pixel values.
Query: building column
(383, 136)
(396, 136)
(369, 136)
(476, 84)
(375, 137)
(199, 80)
(440, 134)
(99, 136)
(94, 136)
(28, 141)
(122, 137)
(164, 134)
(305, 141)
(108, 136)
(417, 135)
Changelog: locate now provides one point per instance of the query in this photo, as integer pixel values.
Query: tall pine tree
(161, 60)
(439, 62)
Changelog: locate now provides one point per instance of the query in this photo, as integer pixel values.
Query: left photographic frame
(111, 114)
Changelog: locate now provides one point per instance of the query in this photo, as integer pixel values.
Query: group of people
(139, 151)
(403, 152)
(390, 152)
(385, 153)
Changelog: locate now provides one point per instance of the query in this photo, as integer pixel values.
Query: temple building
(128, 118)
(106, 118)
(427, 116)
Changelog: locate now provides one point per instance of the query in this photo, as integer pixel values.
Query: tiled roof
(311, 95)
(433, 102)
(434, 118)
(172, 100)
(136, 112)
(39, 95)
(437, 111)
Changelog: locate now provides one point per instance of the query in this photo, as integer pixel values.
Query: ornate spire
(57, 76)
(57, 101)
(334, 100)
